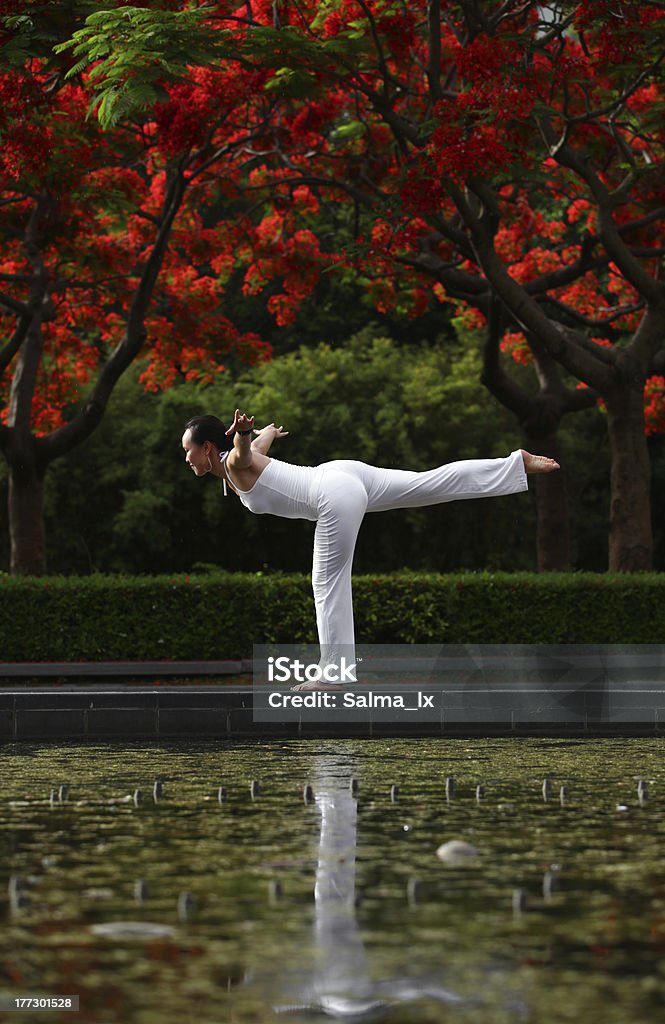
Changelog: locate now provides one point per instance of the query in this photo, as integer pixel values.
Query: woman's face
(197, 456)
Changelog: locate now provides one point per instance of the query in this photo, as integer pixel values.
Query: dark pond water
(336, 906)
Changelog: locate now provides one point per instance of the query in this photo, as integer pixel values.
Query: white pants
(348, 489)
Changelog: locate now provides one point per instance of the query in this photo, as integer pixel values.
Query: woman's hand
(273, 430)
(241, 422)
(265, 437)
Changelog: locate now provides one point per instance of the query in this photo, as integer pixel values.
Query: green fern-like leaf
(77, 68)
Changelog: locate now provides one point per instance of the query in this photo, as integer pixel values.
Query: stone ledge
(131, 712)
(153, 668)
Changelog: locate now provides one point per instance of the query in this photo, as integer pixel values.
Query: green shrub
(221, 615)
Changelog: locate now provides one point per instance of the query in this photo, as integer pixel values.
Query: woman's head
(203, 439)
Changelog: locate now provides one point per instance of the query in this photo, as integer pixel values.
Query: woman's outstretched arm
(242, 428)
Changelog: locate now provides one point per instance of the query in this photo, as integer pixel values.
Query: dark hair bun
(210, 428)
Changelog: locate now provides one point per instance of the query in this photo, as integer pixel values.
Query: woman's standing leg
(342, 505)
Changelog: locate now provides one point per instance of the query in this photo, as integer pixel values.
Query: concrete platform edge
(117, 713)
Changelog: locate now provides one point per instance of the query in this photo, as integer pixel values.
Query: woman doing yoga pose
(336, 495)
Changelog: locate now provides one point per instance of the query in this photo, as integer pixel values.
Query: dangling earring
(209, 464)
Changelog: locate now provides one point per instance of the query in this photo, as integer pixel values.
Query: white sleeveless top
(282, 490)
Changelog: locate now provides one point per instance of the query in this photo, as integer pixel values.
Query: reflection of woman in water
(342, 980)
(336, 495)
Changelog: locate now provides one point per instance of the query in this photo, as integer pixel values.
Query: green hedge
(220, 615)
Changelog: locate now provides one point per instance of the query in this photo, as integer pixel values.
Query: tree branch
(12, 346)
(564, 343)
(587, 321)
(64, 438)
(460, 284)
(434, 55)
(553, 400)
(609, 233)
(493, 376)
(21, 278)
(38, 309)
(451, 232)
(16, 306)
(564, 275)
(648, 337)
(383, 66)
(619, 102)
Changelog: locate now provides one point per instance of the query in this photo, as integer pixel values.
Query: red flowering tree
(528, 183)
(506, 157)
(113, 246)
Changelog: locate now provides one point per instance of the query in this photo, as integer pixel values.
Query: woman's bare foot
(538, 463)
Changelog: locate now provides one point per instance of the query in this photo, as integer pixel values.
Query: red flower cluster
(25, 145)
(616, 29)
(422, 189)
(654, 406)
(466, 150)
(394, 24)
(515, 345)
(194, 107)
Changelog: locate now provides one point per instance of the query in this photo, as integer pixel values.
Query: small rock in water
(17, 899)
(15, 887)
(414, 890)
(520, 901)
(186, 904)
(140, 890)
(275, 890)
(456, 850)
(550, 882)
(98, 893)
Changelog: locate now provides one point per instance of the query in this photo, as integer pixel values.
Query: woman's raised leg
(456, 481)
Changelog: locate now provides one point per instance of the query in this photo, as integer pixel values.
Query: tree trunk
(539, 416)
(26, 522)
(553, 528)
(631, 539)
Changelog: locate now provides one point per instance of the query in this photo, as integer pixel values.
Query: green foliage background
(125, 502)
